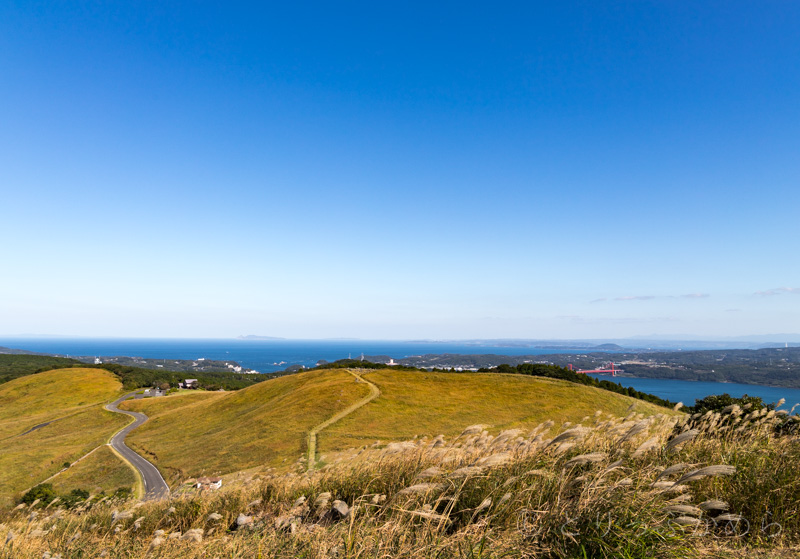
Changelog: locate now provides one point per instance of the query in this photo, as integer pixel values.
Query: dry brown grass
(72, 399)
(467, 496)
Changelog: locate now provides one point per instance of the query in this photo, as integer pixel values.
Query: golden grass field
(429, 404)
(73, 400)
(721, 485)
(266, 425)
(101, 471)
(219, 433)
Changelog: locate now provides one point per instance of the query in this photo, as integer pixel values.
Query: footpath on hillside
(374, 392)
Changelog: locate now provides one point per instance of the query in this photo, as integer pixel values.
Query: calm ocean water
(268, 356)
(262, 355)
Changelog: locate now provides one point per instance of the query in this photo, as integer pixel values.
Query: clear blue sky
(400, 170)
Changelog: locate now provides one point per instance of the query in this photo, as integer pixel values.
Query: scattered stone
(378, 499)
(195, 535)
(341, 509)
(243, 520)
(174, 535)
(159, 533)
(213, 517)
(157, 541)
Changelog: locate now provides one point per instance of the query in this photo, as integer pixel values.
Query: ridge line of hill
(312, 433)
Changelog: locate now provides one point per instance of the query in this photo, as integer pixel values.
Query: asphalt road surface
(154, 485)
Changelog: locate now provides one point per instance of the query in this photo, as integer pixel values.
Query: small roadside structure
(190, 383)
(208, 483)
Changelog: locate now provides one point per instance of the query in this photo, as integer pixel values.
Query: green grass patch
(13, 366)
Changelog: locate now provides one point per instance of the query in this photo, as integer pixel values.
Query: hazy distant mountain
(254, 337)
(755, 338)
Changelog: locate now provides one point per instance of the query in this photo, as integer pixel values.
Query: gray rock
(243, 520)
(195, 535)
(341, 509)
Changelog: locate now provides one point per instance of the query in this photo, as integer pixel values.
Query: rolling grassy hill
(267, 424)
(70, 403)
(430, 404)
(264, 425)
(101, 471)
(722, 486)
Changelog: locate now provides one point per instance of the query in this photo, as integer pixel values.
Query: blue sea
(265, 356)
(275, 355)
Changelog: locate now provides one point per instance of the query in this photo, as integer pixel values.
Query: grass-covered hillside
(723, 484)
(269, 424)
(264, 425)
(52, 418)
(430, 404)
(13, 365)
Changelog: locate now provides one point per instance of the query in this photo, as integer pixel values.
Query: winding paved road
(154, 485)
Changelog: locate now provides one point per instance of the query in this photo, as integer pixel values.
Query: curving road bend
(154, 485)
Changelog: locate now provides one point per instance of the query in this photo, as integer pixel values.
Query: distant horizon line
(761, 338)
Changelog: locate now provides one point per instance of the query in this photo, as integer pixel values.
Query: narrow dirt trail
(374, 392)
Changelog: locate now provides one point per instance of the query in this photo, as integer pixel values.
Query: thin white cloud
(617, 319)
(652, 297)
(778, 291)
